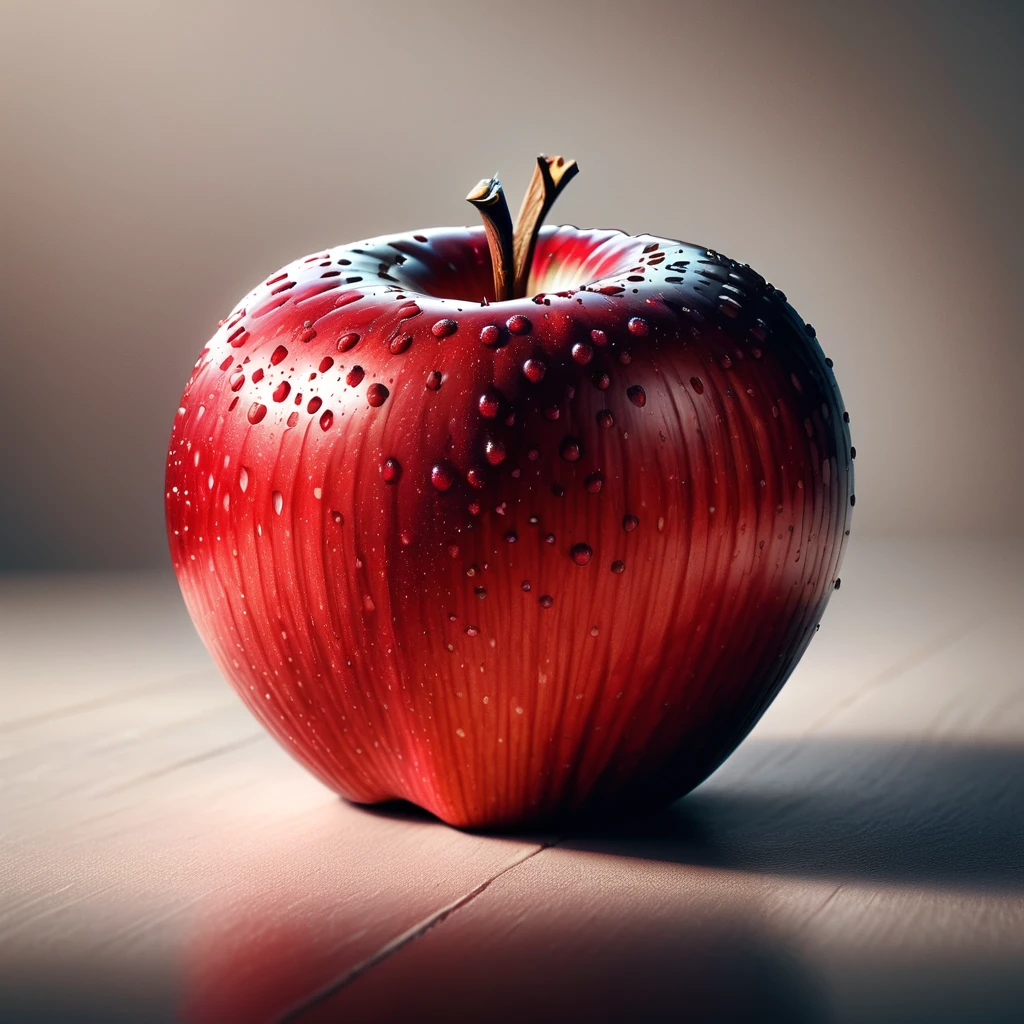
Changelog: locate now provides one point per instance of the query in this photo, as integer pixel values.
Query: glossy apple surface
(510, 559)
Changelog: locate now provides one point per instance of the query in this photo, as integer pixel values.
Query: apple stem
(550, 177)
(489, 198)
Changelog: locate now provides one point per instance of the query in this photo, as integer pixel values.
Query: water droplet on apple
(237, 380)
(443, 328)
(594, 482)
(582, 353)
(581, 553)
(618, 567)
(326, 363)
(534, 370)
(519, 324)
(326, 420)
(281, 391)
(697, 384)
(601, 380)
(637, 395)
(433, 380)
(630, 523)
(376, 395)
(278, 502)
(571, 449)
(400, 344)
(442, 476)
(280, 353)
(605, 418)
(495, 452)
(545, 601)
(489, 404)
(347, 341)
(355, 376)
(638, 326)
(599, 338)
(526, 586)
(313, 405)
(491, 335)
(256, 412)
(391, 470)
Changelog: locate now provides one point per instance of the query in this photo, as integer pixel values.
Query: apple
(510, 524)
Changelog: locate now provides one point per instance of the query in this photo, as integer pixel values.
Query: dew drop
(256, 412)
(400, 344)
(630, 523)
(519, 324)
(637, 395)
(697, 384)
(278, 355)
(582, 353)
(281, 391)
(326, 420)
(433, 382)
(391, 470)
(293, 419)
(581, 553)
(594, 482)
(313, 405)
(475, 477)
(534, 370)
(347, 341)
(511, 537)
(495, 452)
(594, 631)
(638, 326)
(326, 363)
(491, 335)
(601, 381)
(376, 395)
(237, 380)
(355, 376)
(571, 449)
(338, 518)
(599, 338)
(545, 601)
(470, 631)
(605, 418)
(278, 502)
(257, 374)
(489, 404)
(618, 567)
(442, 476)
(526, 586)
(443, 328)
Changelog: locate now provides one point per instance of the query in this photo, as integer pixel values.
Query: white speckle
(460, 733)
(195, 458)
(200, 413)
(278, 502)
(243, 479)
(227, 501)
(227, 461)
(487, 700)
(259, 529)
(519, 710)
(661, 523)
(209, 481)
(317, 493)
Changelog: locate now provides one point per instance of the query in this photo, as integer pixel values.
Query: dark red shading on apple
(513, 559)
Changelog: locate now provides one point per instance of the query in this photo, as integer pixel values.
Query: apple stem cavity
(512, 251)
(489, 198)
(550, 177)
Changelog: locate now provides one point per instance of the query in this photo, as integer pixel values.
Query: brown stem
(489, 198)
(550, 176)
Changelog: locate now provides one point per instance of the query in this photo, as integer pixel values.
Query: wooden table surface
(860, 857)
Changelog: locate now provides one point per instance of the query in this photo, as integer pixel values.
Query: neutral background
(158, 159)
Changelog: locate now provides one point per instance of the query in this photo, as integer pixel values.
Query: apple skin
(434, 593)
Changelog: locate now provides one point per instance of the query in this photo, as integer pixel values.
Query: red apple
(510, 558)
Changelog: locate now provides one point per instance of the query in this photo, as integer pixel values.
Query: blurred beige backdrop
(158, 159)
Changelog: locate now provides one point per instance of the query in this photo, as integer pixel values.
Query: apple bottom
(610, 740)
